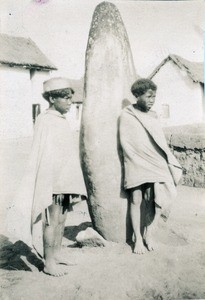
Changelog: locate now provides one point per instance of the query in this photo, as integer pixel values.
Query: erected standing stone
(109, 74)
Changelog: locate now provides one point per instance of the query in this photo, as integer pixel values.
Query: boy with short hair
(53, 176)
(147, 164)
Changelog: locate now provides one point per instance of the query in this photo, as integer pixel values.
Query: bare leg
(60, 232)
(59, 258)
(135, 209)
(51, 239)
(150, 229)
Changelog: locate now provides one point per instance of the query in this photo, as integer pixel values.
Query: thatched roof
(22, 52)
(195, 70)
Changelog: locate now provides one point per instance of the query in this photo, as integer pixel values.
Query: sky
(60, 29)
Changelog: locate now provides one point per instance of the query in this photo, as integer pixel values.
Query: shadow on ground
(11, 256)
(14, 256)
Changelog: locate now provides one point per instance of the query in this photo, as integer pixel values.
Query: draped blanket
(53, 168)
(147, 157)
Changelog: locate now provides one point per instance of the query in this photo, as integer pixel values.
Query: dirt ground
(175, 270)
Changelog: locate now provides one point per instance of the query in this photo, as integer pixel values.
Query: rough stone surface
(109, 73)
(190, 140)
(188, 146)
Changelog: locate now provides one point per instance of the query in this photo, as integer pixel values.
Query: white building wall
(183, 97)
(37, 79)
(15, 103)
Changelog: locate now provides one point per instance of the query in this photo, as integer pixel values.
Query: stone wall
(188, 145)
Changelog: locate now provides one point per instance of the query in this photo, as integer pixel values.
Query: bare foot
(139, 248)
(148, 239)
(54, 270)
(150, 244)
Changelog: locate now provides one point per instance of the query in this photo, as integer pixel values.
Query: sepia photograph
(102, 150)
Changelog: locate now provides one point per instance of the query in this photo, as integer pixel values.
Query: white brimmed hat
(56, 83)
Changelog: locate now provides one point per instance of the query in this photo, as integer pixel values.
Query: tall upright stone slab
(109, 73)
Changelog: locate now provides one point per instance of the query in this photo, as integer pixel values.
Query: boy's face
(146, 101)
(63, 104)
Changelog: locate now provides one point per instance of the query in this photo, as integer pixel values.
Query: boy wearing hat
(53, 177)
(151, 170)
